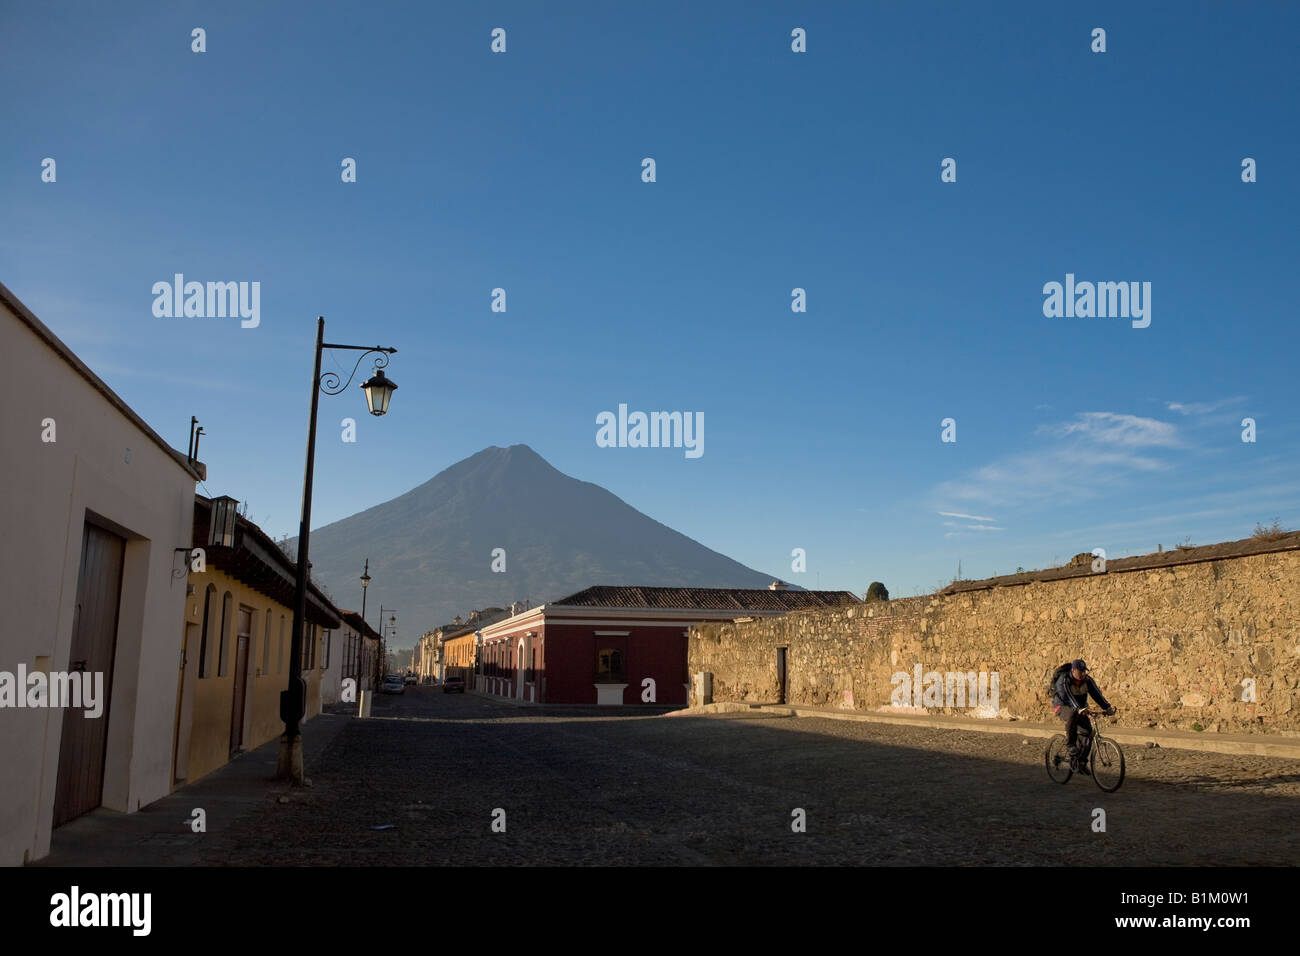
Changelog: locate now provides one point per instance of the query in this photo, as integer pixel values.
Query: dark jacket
(1076, 698)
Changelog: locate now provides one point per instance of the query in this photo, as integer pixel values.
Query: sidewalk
(160, 834)
(1263, 745)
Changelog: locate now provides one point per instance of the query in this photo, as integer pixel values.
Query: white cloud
(1111, 428)
(958, 514)
(1081, 459)
(1201, 408)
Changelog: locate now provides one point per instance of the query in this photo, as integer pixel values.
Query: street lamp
(381, 663)
(392, 633)
(361, 637)
(379, 391)
(221, 525)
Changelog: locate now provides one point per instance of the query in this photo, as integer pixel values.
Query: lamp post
(378, 391)
(381, 664)
(392, 633)
(361, 637)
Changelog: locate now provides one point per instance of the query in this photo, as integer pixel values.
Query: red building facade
(618, 645)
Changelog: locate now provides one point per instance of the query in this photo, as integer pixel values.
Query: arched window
(208, 611)
(226, 622)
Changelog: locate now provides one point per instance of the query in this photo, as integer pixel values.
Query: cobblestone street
(720, 789)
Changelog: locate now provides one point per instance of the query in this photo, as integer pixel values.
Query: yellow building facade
(458, 655)
(237, 644)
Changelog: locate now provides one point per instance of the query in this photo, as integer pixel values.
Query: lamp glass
(221, 527)
(379, 392)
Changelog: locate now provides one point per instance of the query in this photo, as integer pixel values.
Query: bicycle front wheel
(1107, 764)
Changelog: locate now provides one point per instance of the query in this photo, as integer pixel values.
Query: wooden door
(780, 675)
(84, 743)
(241, 678)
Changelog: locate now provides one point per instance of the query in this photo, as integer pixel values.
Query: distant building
(360, 651)
(618, 645)
(429, 651)
(459, 643)
(356, 658)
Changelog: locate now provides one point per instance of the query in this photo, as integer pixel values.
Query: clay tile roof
(357, 624)
(257, 560)
(486, 616)
(706, 599)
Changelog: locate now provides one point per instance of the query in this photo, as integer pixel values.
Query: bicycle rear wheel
(1057, 759)
(1107, 764)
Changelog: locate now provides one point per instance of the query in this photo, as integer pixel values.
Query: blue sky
(775, 170)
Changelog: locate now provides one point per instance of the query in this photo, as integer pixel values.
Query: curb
(1261, 745)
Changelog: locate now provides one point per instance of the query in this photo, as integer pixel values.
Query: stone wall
(1169, 640)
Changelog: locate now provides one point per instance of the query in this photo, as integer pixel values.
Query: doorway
(241, 679)
(84, 744)
(780, 675)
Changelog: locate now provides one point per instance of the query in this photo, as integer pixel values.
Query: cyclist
(1070, 700)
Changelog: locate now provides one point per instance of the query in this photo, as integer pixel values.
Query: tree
(877, 592)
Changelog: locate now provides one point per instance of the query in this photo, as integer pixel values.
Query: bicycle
(1104, 756)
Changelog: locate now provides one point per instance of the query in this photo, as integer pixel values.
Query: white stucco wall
(46, 493)
(331, 678)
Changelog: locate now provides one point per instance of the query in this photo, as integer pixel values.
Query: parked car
(393, 685)
(412, 679)
(453, 685)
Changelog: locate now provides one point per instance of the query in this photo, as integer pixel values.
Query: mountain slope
(430, 549)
